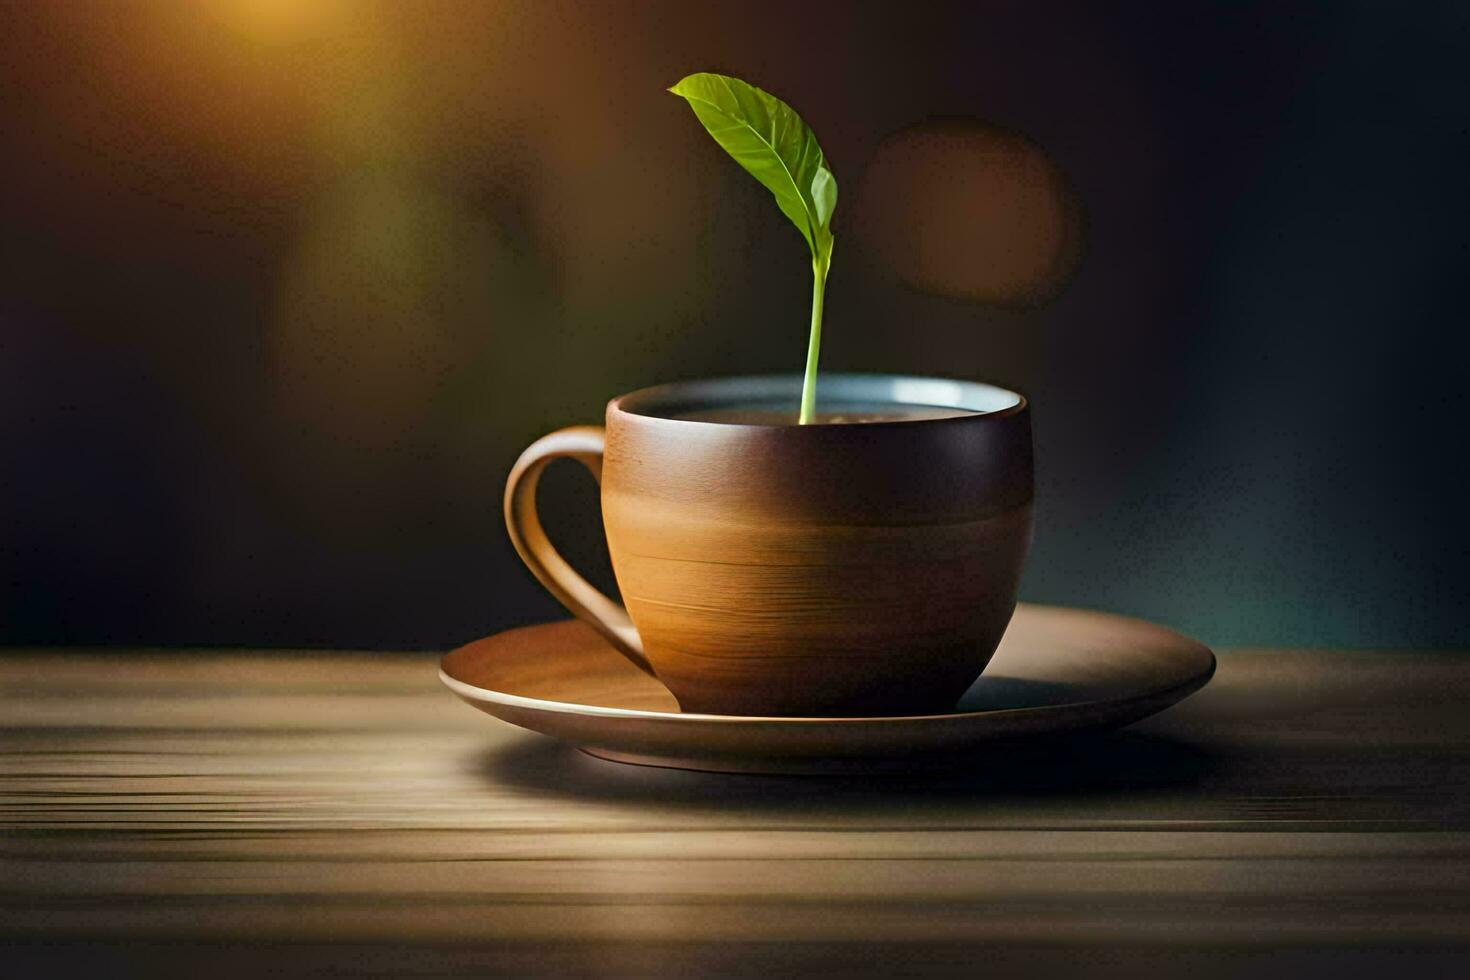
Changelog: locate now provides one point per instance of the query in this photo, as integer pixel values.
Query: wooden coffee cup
(778, 569)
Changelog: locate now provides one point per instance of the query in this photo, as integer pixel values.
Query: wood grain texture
(821, 569)
(168, 814)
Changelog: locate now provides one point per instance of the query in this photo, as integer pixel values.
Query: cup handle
(583, 443)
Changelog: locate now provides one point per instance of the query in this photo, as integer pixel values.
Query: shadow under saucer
(1081, 766)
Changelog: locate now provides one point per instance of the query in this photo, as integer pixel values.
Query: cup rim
(901, 389)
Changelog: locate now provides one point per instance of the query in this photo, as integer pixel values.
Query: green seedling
(768, 139)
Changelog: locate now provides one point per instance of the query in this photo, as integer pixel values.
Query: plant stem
(814, 346)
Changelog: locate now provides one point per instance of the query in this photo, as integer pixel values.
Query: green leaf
(824, 196)
(768, 139)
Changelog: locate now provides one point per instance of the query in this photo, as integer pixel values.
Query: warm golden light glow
(274, 22)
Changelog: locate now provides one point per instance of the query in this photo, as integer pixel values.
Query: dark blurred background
(288, 284)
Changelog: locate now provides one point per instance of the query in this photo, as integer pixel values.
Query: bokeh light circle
(967, 210)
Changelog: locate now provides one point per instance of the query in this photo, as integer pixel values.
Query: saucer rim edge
(473, 694)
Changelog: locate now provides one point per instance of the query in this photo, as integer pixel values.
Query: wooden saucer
(1056, 671)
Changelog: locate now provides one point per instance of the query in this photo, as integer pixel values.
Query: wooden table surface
(167, 813)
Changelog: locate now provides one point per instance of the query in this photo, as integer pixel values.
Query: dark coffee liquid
(836, 413)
